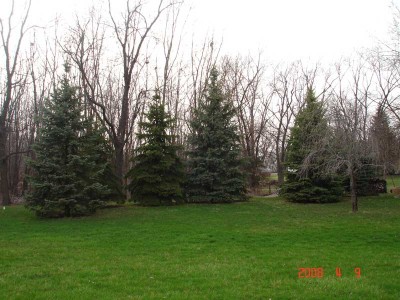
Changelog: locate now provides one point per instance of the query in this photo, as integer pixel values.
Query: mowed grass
(239, 251)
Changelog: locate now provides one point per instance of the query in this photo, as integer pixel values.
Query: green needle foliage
(384, 141)
(215, 174)
(311, 185)
(157, 174)
(99, 151)
(67, 169)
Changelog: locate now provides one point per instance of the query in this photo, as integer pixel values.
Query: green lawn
(239, 251)
(274, 176)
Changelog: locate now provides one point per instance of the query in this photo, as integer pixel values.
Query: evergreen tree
(384, 142)
(215, 174)
(312, 186)
(64, 181)
(98, 151)
(368, 180)
(157, 174)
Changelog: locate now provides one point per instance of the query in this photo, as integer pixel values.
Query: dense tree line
(118, 62)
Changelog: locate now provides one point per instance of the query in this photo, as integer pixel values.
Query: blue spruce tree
(67, 172)
(215, 167)
(157, 174)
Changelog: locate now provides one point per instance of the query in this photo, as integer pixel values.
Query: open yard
(249, 250)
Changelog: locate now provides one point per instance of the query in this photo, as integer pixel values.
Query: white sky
(283, 30)
(291, 29)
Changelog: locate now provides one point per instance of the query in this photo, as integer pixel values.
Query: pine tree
(64, 182)
(368, 182)
(157, 174)
(98, 151)
(215, 168)
(314, 186)
(383, 139)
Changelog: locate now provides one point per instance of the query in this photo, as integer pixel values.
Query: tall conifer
(307, 184)
(157, 174)
(215, 167)
(384, 142)
(64, 182)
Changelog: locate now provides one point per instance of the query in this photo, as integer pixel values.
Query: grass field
(240, 251)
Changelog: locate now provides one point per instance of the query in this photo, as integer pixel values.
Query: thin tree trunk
(4, 188)
(16, 163)
(280, 169)
(353, 191)
(119, 161)
(11, 61)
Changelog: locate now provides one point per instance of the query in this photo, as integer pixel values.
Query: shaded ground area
(393, 181)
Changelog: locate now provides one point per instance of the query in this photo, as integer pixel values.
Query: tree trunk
(16, 164)
(122, 130)
(353, 191)
(280, 172)
(119, 161)
(11, 62)
(4, 188)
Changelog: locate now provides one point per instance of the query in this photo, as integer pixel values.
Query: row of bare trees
(119, 59)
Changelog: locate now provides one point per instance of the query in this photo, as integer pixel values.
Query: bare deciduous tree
(12, 85)
(244, 80)
(117, 99)
(346, 148)
(287, 98)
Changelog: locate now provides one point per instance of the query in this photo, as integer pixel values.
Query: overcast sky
(283, 29)
(299, 28)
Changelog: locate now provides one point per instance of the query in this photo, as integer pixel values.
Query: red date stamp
(319, 272)
(311, 272)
